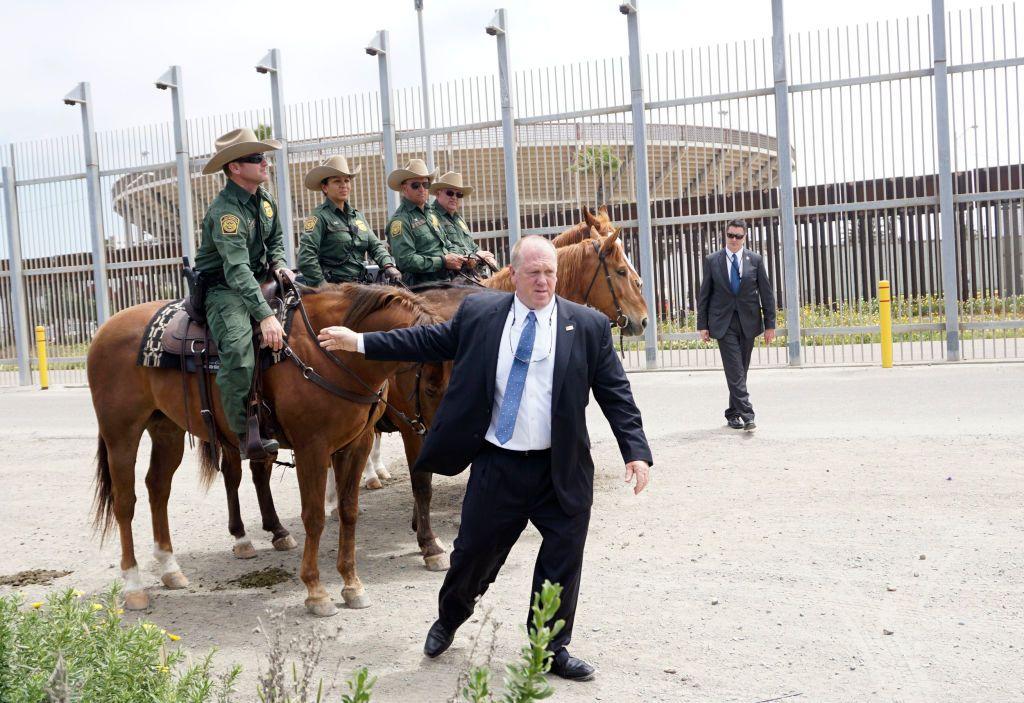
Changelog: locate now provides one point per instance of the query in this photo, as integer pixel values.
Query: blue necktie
(734, 276)
(516, 381)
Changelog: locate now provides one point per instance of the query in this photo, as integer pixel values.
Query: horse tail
(103, 500)
(209, 457)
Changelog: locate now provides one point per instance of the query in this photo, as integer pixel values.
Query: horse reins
(310, 374)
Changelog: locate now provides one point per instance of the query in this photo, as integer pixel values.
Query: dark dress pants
(735, 348)
(504, 492)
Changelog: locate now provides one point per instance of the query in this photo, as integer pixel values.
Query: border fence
(889, 150)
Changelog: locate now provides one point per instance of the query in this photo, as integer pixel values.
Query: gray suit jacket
(716, 302)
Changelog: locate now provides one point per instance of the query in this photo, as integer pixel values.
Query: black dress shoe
(439, 638)
(270, 447)
(736, 423)
(569, 667)
(749, 425)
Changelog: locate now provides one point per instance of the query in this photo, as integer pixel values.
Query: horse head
(597, 272)
(600, 221)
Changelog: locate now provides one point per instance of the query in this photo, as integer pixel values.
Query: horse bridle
(310, 374)
(621, 319)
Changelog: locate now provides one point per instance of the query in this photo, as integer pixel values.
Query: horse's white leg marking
(170, 572)
(378, 464)
(132, 580)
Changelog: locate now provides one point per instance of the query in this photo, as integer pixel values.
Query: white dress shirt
(728, 263)
(533, 422)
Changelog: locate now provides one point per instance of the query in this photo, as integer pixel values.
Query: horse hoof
(244, 550)
(373, 484)
(355, 599)
(383, 474)
(437, 562)
(440, 545)
(174, 580)
(136, 600)
(321, 607)
(335, 515)
(283, 544)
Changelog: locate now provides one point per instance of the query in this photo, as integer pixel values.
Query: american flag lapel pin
(569, 328)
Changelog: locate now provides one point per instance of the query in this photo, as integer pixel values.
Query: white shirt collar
(739, 254)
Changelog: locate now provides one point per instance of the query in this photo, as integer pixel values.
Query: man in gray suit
(735, 305)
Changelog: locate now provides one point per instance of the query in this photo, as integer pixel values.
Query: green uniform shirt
(334, 244)
(242, 241)
(456, 230)
(419, 242)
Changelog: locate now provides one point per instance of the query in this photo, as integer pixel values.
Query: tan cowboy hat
(234, 145)
(414, 169)
(334, 166)
(452, 179)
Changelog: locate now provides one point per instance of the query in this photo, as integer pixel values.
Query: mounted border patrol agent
(336, 237)
(422, 250)
(449, 192)
(242, 244)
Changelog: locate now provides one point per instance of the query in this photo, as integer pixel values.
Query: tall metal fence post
(171, 80)
(946, 224)
(643, 195)
(379, 47)
(787, 222)
(498, 27)
(425, 87)
(82, 96)
(19, 307)
(271, 64)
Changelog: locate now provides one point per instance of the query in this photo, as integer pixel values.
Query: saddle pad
(169, 336)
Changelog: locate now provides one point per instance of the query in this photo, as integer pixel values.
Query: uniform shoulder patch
(310, 224)
(396, 228)
(229, 224)
(267, 209)
(362, 226)
(434, 221)
(465, 227)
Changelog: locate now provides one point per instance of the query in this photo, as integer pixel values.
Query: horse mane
(364, 300)
(571, 260)
(574, 235)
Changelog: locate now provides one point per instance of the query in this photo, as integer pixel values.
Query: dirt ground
(754, 568)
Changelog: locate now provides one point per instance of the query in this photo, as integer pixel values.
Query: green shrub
(73, 649)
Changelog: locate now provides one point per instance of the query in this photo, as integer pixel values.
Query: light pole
(171, 80)
(271, 65)
(425, 88)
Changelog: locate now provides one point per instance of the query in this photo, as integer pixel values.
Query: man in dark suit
(537, 357)
(735, 305)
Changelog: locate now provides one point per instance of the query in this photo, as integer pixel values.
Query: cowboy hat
(334, 166)
(414, 169)
(453, 180)
(234, 145)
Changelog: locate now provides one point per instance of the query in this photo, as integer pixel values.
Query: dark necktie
(734, 276)
(509, 409)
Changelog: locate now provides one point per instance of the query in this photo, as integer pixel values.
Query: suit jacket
(716, 302)
(585, 360)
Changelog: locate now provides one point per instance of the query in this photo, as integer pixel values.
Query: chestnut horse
(130, 399)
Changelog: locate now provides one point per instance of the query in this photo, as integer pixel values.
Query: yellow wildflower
(97, 606)
(38, 604)
(173, 637)
(78, 594)
(120, 611)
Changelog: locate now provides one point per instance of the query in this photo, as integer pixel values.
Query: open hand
(338, 339)
(642, 471)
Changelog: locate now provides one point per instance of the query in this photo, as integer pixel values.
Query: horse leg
(332, 495)
(231, 468)
(347, 472)
(370, 477)
(282, 540)
(165, 457)
(378, 464)
(433, 550)
(121, 449)
(309, 468)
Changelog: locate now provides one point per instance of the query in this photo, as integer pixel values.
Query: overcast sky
(122, 47)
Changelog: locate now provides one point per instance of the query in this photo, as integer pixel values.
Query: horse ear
(609, 243)
(603, 210)
(589, 218)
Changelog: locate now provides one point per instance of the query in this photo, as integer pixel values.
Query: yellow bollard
(44, 370)
(885, 319)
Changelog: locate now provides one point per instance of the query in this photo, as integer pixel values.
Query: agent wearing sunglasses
(241, 244)
(422, 249)
(336, 239)
(449, 192)
(735, 305)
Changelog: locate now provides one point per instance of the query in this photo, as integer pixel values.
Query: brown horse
(130, 399)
